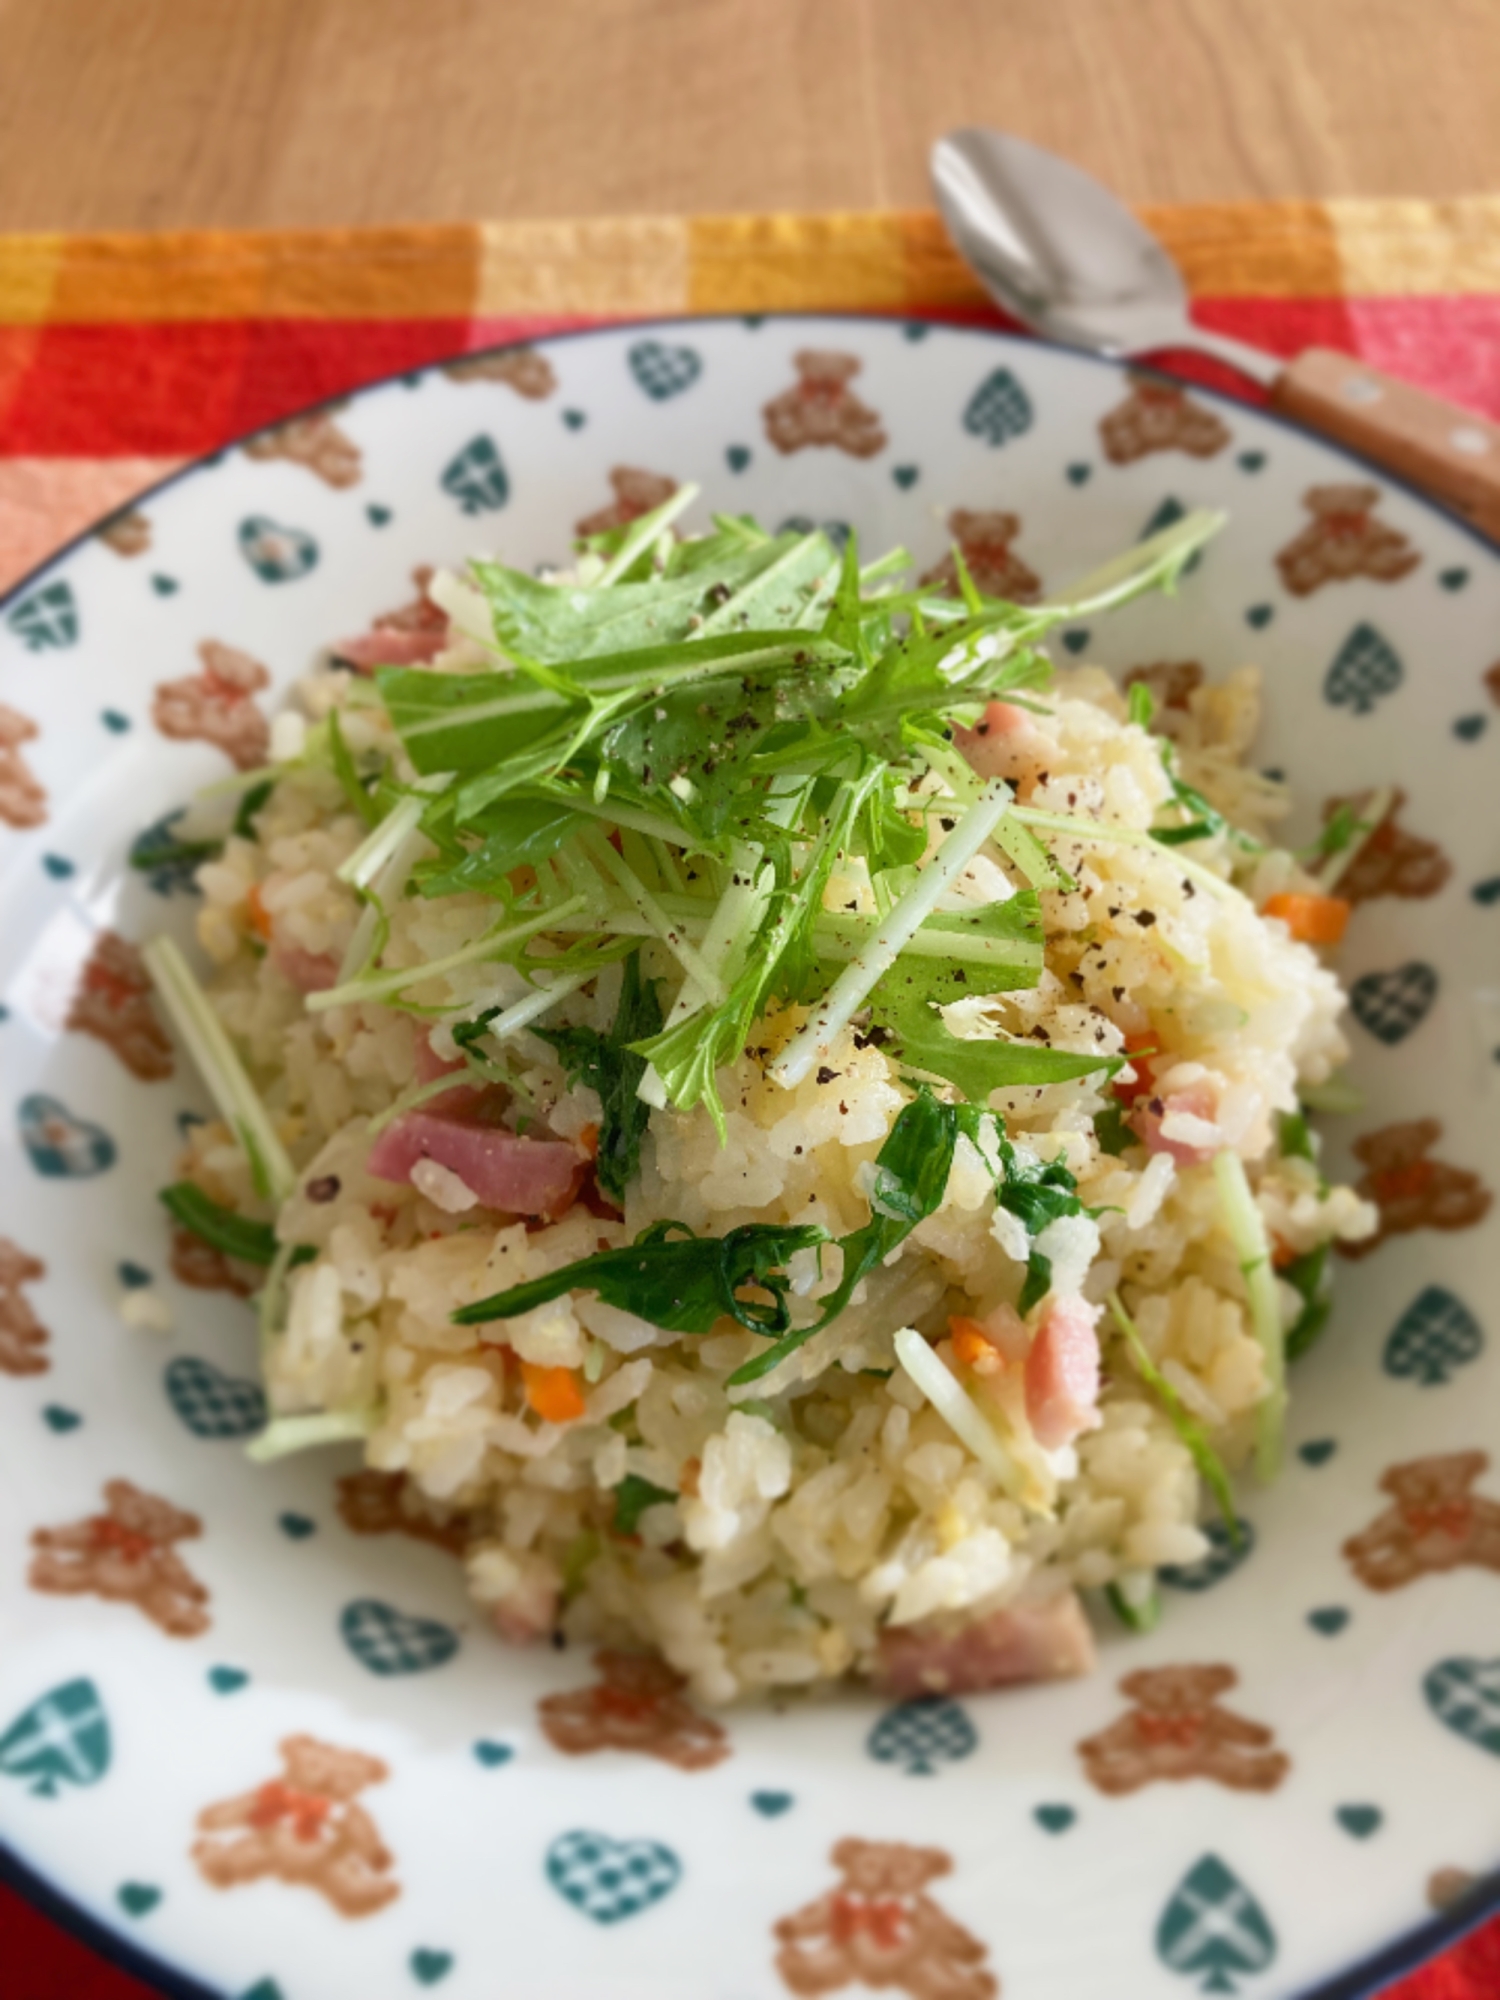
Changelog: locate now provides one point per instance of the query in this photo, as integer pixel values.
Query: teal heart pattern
(663, 371)
(1391, 1005)
(211, 1403)
(62, 1739)
(59, 867)
(1436, 1334)
(771, 1805)
(492, 1755)
(921, 1736)
(165, 586)
(60, 1420)
(59, 1145)
(46, 619)
(1251, 461)
(1453, 579)
(803, 524)
(737, 457)
(227, 1680)
(906, 476)
(1213, 1925)
(296, 1527)
(610, 1880)
(1365, 669)
(1224, 1556)
(1328, 1620)
(999, 409)
(1054, 1819)
(476, 477)
(166, 862)
(1075, 641)
(1464, 1695)
(428, 1967)
(1360, 1821)
(132, 1276)
(1259, 616)
(114, 721)
(275, 553)
(390, 1642)
(1167, 515)
(1317, 1451)
(264, 1989)
(1080, 474)
(1469, 728)
(574, 419)
(137, 1899)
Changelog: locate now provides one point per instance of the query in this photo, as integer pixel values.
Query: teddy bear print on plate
(249, 1723)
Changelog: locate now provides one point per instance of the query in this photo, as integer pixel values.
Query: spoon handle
(1445, 450)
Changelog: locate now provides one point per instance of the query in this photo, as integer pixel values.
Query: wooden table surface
(132, 114)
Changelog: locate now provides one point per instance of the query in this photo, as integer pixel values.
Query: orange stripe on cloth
(177, 275)
(877, 261)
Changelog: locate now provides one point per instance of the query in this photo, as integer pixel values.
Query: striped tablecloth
(123, 356)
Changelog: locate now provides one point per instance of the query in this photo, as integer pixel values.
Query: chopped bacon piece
(1197, 1101)
(518, 1176)
(1062, 1373)
(1023, 1642)
(309, 971)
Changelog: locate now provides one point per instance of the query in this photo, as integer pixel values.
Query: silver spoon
(1066, 257)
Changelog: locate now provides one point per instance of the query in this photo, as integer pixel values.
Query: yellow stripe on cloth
(881, 261)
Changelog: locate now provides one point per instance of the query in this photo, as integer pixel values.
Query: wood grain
(128, 114)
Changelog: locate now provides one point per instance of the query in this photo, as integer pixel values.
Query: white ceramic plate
(480, 1859)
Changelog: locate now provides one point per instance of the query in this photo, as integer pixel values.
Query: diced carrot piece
(1310, 919)
(972, 1346)
(588, 1140)
(260, 916)
(553, 1393)
(1282, 1253)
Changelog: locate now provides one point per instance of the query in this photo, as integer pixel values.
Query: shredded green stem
(647, 906)
(284, 1435)
(1106, 834)
(1247, 1231)
(218, 1063)
(494, 942)
(852, 988)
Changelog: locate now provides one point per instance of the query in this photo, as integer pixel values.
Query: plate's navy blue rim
(109, 1944)
(1362, 1981)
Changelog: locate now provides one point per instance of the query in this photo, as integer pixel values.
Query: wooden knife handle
(1448, 452)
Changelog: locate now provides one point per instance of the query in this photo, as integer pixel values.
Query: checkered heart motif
(1436, 1334)
(921, 1735)
(1212, 1924)
(391, 1642)
(476, 478)
(46, 618)
(211, 1403)
(1389, 1005)
(662, 371)
(1464, 1694)
(1365, 669)
(62, 1739)
(1224, 1556)
(999, 409)
(610, 1880)
(60, 1146)
(276, 554)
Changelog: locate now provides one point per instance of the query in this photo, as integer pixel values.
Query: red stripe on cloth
(170, 390)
